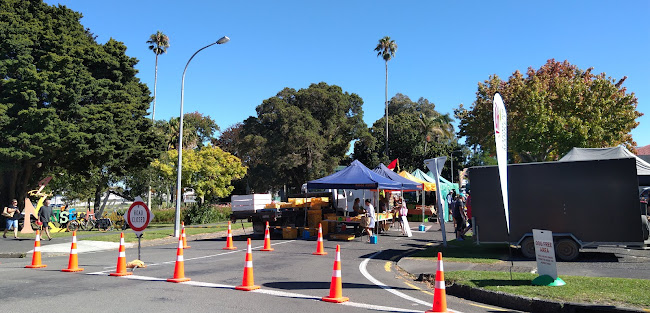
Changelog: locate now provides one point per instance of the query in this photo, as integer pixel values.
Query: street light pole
(179, 189)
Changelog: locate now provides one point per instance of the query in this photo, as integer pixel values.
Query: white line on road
(364, 272)
(275, 293)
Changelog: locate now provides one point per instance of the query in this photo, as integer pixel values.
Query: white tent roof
(618, 152)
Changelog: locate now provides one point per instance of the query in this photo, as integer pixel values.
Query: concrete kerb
(505, 300)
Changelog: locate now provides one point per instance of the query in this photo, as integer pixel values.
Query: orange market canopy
(427, 185)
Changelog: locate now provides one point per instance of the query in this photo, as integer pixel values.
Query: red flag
(392, 165)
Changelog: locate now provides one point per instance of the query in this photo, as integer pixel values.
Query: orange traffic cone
(319, 246)
(248, 283)
(120, 269)
(439, 294)
(229, 245)
(336, 286)
(36, 257)
(179, 270)
(267, 239)
(185, 246)
(73, 262)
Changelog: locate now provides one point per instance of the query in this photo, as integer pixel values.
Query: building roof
(645, 150)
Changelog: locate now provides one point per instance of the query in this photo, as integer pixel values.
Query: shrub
(205, 213)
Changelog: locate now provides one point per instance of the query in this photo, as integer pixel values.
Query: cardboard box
(289, 233)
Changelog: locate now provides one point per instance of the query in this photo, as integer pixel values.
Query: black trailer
(584, 203)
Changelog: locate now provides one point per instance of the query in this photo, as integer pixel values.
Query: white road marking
(110, 268)
(364, 272)
(275, 293)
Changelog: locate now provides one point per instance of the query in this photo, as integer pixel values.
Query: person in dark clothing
(458, 213)
(44, 215)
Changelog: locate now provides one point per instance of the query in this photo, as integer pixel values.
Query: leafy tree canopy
(67, 103)
(551, 110)
(300, 135)
(208, 170)
(418, 132)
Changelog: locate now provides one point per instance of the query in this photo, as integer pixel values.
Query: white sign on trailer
(545, 253)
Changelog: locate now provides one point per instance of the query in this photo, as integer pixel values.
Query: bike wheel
(72, 226)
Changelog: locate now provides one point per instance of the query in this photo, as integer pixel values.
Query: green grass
(599, 290)
(467, 251)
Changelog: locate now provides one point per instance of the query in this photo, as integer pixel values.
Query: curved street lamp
(179, 189)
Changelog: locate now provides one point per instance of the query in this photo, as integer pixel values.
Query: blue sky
(444, 48)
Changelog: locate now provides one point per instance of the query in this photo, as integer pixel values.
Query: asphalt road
(292, 280)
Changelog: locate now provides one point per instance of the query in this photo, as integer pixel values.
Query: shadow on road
(298, 285)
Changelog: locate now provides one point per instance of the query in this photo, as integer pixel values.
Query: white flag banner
(501, 140)
(435, 166)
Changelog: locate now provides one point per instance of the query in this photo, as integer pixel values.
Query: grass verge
(467, 251)
(598, 290)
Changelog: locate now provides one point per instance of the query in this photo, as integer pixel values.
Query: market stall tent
(407, 184)
(355, 176)
(618, 152)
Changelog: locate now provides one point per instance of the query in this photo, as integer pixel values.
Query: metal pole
(179, 189)
(139, 237)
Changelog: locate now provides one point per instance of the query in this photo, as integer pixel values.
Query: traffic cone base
(229, 248)
(78, 269)
(36, 257)
(121, 274)
(247, 288)
(178, 280)
(336, 300)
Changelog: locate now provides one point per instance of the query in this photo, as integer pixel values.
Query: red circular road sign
(138, 216)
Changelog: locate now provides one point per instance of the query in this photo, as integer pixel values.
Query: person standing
(403, 212)
(44, 216)
(370, 211)
(12, 222)
(458, 209)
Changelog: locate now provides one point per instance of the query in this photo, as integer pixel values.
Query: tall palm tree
(386, 49)
(158, 43)
(439, 127)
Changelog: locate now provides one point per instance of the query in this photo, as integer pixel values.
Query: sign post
(138, 216)
(545, 256)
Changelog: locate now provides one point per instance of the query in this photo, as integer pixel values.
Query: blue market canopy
(355, 176)
(407, 184)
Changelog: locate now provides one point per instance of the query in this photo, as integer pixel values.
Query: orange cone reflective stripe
(439, 294)
(229, 244)
(319, 245)
(36, 257)
(267, 239)
(73, 261)
(248, 283)
(336, 286)
(179, 269)
(120, 269)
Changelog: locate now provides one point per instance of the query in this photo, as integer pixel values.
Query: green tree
(386, 49)
(67, 103)
(208, 170)
(552, 110)
(414, 137)
(300, 135)
(158, 43)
